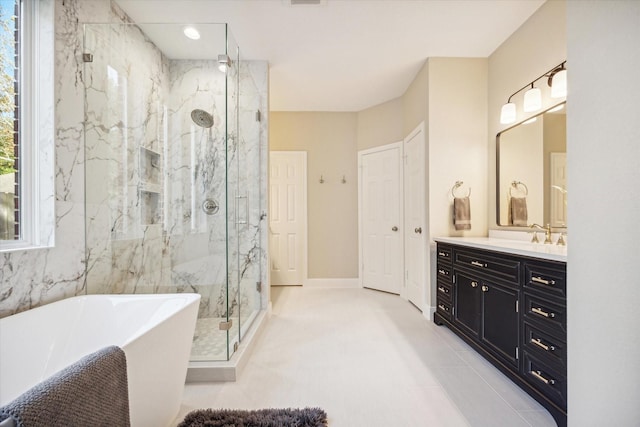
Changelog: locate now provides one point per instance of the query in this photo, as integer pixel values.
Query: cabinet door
(500, 320)
(466, 310)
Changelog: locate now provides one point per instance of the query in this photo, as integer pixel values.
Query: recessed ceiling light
(192, 33)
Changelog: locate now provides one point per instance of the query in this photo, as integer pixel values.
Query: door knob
(394, 228)
(418, 230)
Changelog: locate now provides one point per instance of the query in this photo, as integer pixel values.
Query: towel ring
(457, 185)
(515, 184)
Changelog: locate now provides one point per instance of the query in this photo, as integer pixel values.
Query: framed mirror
(531, 175)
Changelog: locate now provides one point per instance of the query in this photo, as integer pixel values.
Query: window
(26, 124)
(9, 200)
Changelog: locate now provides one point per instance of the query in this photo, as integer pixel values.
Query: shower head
(202, 118)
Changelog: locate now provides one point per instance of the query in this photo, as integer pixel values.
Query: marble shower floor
(209, 342)
(368, 359)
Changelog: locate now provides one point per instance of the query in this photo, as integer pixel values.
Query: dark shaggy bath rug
(307, 417)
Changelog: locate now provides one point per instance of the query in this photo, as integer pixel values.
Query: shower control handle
(210, 207)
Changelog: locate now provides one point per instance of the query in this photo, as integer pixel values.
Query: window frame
(36, 177)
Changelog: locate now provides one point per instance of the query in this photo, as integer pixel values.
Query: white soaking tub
(155, 332)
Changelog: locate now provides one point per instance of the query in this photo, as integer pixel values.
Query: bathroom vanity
(507, 300)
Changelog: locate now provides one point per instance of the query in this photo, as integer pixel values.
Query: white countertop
(516, 247)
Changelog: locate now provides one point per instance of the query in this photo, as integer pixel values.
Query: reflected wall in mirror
(531, 171)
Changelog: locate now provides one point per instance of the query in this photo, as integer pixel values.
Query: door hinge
(87, 57)
(517, 354)
(225, 326)
(259, 286)
(517, 305)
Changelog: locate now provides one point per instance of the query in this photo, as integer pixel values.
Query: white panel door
(558, 171)
(287, 217)
(414, 217)
(381, 228)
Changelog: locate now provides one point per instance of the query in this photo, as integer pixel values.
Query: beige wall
(537, 46)
(603, 132)
(457, 141)
(330, 140)
(415, 102)
(380, 125)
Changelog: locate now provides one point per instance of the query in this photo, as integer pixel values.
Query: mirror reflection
(531, 171)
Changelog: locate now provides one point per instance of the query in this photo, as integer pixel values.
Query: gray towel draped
(518, 214)
(462, 213)
(91, 392)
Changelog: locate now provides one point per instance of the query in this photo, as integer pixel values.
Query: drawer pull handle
(485, 288)
(539, 376)
(541, 312)
(474, 284)
(443, 272)
(443, 289)
(543, 281)
(444, 254)
(478, 264)
(539, 343)
(442, 307)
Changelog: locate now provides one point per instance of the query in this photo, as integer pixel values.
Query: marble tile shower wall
(35, 277)
(148, 173)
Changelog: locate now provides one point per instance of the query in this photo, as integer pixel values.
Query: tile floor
(368, 359)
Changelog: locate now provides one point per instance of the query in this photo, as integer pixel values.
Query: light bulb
(508, 113)
(532, 100)
(559, 84)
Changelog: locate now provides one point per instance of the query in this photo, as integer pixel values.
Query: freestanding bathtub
(155, 332)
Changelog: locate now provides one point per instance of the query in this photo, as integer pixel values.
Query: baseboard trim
(332, 283)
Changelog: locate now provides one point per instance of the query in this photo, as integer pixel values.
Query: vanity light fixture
(556, 79)
(558, 82)
(508, 113)
(532, 99)
(224, 62)
(191, 33)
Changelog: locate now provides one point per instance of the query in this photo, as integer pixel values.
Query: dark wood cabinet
(500, 321)
(512, 310)
(467, 309)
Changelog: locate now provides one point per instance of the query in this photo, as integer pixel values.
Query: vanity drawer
(546, 314)
(545, 346)
(444, 291)
(552, 281)
(444, 309)
(546, 379)
(497, 267)
(443, 272)
(444, 254)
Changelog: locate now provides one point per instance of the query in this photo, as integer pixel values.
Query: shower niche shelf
(149, 166)
(150, 189)
(150, 207)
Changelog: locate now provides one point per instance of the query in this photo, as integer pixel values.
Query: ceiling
(345, 55)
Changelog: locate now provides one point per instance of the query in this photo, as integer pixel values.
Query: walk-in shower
(175, 171)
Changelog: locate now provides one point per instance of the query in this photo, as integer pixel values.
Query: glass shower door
(156, 155)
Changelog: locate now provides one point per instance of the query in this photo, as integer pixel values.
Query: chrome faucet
(547, 232)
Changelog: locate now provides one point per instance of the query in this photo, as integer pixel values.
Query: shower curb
(228, 371)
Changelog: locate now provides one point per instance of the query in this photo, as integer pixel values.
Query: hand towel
(462, 213)
(518, 211)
